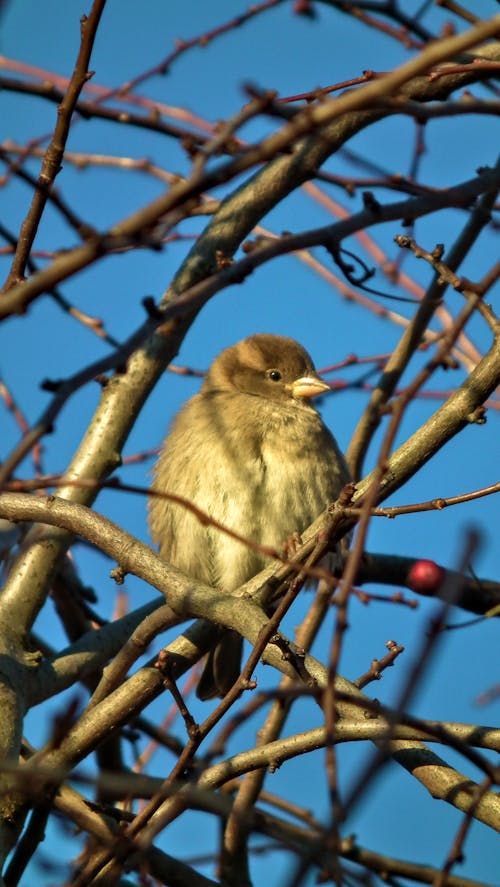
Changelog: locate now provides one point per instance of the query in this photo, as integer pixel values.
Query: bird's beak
(308, 386)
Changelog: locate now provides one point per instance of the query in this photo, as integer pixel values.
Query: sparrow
(252, 452)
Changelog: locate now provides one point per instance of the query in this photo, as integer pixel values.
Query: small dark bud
(151, 307)
(51, 385)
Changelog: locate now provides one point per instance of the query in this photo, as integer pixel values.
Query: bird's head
(268, 366)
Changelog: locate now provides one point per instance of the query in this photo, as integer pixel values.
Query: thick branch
(247, 618)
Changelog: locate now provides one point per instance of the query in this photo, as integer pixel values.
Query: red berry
(425, 576)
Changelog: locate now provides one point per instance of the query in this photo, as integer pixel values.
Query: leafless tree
(92, 687)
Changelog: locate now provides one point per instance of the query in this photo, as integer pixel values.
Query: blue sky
(290, 54)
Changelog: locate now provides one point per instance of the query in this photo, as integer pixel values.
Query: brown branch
(408, 24)
(53, 157)
(339, 117)
(194, 297)
(410, 340)
(44, 189)
(436, 504)
(459, 10)
(183, 46)
(390, 868)
(63, 391)
(93, 109)
(374, 673)
(236, 833)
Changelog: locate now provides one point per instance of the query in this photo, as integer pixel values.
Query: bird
(252, 452)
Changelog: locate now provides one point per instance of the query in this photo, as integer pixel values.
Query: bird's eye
(274, 375)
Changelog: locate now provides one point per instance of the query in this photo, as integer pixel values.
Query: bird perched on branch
(252, 452)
